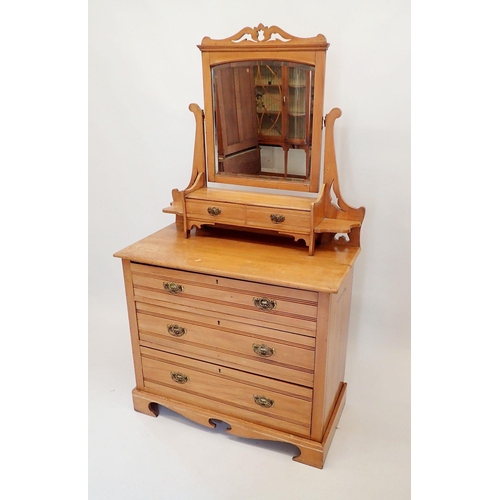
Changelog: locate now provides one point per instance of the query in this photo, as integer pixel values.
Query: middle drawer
(273, 353)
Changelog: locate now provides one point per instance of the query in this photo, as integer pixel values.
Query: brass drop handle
(263, 350)
(263, 401)
(214, 211)
(264, 303)
(277, 218)
(176, 330)
(179, 377)
(172, 287)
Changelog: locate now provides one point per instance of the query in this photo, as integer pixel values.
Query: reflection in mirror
(272, 160)
(263, 119)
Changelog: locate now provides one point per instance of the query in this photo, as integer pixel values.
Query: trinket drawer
(244, 328)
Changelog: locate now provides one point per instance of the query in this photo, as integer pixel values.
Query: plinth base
(312, 453)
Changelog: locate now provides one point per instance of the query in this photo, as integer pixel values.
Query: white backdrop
(144, 71)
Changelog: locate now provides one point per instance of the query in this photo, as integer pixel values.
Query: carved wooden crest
(262, 38)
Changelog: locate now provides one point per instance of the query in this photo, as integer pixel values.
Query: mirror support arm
(340, 210)
(330, 167)
(198, 175)
(199, 162)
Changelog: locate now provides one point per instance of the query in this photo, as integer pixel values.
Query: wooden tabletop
(247, 256)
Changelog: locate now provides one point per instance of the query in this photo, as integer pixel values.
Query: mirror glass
(263, 119)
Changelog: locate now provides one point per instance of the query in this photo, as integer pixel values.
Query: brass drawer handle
(172, 287)
(263, 401)
(179, 377)
(277, 218)
(264, 303)
(214, 211)
(263, 350)
(176, 330)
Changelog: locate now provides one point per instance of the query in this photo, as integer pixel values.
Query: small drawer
(228, 213)
(295, 309)
(279, 219)
(272, 353)
(265, 401)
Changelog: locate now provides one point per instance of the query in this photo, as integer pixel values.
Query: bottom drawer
(268, 402)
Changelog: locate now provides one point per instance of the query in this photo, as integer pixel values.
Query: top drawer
(292, 308)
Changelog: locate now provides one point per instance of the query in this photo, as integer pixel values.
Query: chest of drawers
(244, 329)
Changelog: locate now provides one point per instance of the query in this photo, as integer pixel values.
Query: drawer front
(228, 213)
(295, 309)
(279, 219)
(262, 351)
(269, 402)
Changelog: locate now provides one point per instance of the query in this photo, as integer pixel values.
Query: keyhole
(218, 322)
(216, 282)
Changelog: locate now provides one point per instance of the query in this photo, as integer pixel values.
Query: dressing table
(239, 310)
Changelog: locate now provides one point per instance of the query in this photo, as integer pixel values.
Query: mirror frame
(273, 44)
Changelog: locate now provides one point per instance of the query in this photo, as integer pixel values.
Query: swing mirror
(263, 109)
